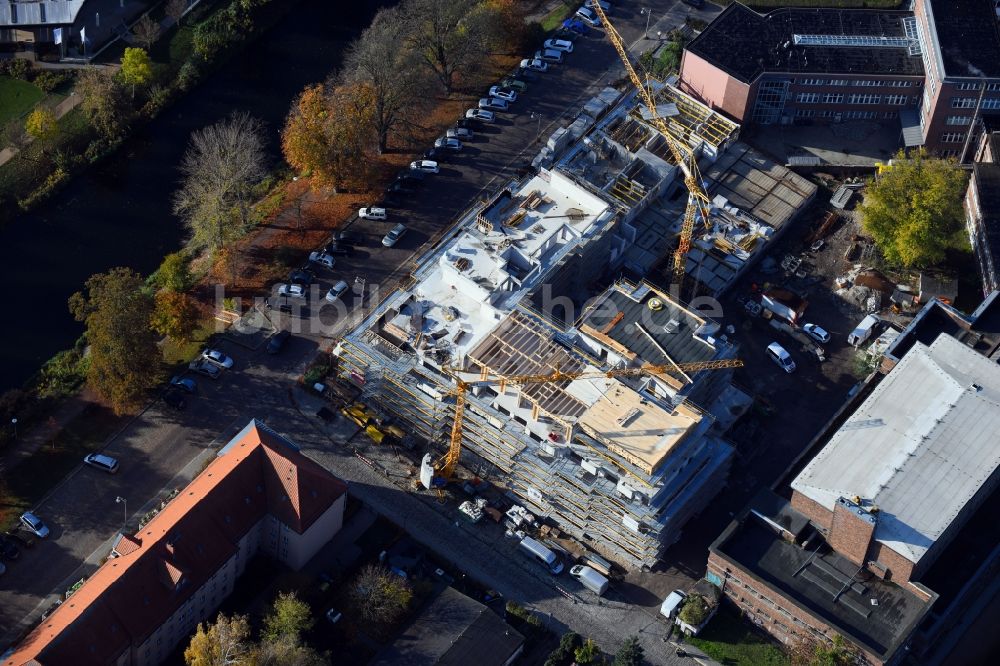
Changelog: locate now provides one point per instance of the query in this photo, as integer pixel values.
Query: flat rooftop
(968, 35)
(920, 447)
(874, 613)
(746, 44)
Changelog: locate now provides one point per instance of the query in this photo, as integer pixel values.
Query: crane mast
(698, 201)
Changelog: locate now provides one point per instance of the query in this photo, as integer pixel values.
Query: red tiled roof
(257, 473)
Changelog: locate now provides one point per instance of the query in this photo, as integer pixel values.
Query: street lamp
(122, 500)
(645, 10)
(537, 116)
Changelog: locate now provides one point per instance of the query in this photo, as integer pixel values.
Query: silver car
(34, 524)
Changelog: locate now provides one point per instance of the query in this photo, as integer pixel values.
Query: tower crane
(698, 201)
(446, 466)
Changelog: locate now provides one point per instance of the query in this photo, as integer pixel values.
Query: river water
(119, 213)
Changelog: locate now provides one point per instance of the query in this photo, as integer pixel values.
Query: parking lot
(162, 448)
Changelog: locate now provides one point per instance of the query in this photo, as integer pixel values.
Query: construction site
(545, 346)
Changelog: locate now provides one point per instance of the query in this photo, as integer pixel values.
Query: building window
(827, 114)
(839, 82)
(896, 100)
(865, 83)
(833, 98)
(993, 86)
(813, 82)
(957, 120)
(899, 84)
(13, 13)
(807, 98)
(991, 103)
(889, 115)
(963, 102)
(41, 10)
(804, 113)
(953, 137)
(967, 86)
(859, 98)
(860, 115)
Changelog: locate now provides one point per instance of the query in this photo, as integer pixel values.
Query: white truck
(671, 605)
(590, 579)
(864, 330)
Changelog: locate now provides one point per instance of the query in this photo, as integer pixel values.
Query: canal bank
(119, 212)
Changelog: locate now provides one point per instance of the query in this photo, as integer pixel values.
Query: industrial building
(930, 71)
(849, 548)
(260, 494)
(73, 28)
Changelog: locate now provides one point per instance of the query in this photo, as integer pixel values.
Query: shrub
(48, 80)
(188, 75)
(62, 374)
(16, 68)
(43, 191)
(694, 611)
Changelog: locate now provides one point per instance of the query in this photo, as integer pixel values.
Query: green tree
(913, 210)
(174, 272)
(124, 358)
(224, 643)
(695, 610)
(42, 125)
(174, 315)
(380, 595)
(104, 101)
(630, 653)
(447, 38)
(289, 618)
(137, 70)
(588, 653)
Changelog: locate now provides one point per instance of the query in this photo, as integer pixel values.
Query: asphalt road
(161, 448)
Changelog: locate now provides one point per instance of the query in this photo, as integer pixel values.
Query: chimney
(851, 530)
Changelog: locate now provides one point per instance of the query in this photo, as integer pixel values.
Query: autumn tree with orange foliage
(328, 134)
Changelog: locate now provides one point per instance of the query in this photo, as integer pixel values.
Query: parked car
(449, 144)
(175, 399)
(203, 367)
(372, 213)
(588, 16)
(514, 84)
(577, 26)
(20, 537)
(549, 55)
(277, 342)
(34, 524)
(336, 291)
(816, 333)
(606, 6)
(482, 115)
(493, 104)
(779, 355)
(218, 358)
(394, 235)
(322, 258)
(302, 276)
(411, 176)
(399, 188)
(333, 616)
(337, 250)
(8, 549)
(425, 166)
(463, 133)
(559, 45)
(185, 384)
(350, 237)
(534, 65)
(292, 290)
(506, 94)
(435, 154)
(101, 462)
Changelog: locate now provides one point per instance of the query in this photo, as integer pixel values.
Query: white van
(864, 330)
(672, 603)
(590, 579)
(543, 555)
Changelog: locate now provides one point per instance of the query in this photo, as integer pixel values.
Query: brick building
(871, 513)
(259, 495)
(982, 206)
(930, 71)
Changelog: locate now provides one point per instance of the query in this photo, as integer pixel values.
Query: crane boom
(698, 201)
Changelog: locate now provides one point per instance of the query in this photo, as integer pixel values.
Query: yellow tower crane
(698, 201)
(446, 467)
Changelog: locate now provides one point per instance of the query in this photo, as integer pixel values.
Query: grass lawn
(555, 18)
(16, 98)
(732, 642)
(175, 352)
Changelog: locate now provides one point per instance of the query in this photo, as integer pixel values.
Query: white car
(34, 525)
(427, 166)
(322, 258)
(450, 144)
(816, 333)
(588, 16)
(292, 290)
(394, 235)
(336, 291)
(559, 45)
(480, 114)
(203, 367)
(101, 462)
(505, 94)
(535, 65)
(493, 103)
(218, 358)
(372, 213)
(461, 133)
(778, 354)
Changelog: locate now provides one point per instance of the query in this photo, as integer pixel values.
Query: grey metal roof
(30, 13)
(919, 447)
(682, 346)
(913, 135)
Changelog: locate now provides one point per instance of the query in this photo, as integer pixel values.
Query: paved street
(162, 449)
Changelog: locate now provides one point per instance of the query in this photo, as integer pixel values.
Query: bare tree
(446, 36)
(379, 59)
(222, 164)
(175, 9)
(226, 642)
(146, 31)
(380, 595)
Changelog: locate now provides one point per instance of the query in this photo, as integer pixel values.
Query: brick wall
(900, 568)
(714, 87)
(812, 510)
(851, 531)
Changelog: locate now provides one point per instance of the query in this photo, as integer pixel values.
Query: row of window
(858, 83)
(952, 137)
(847, 115)
(970, 102)
(858, 98)
(977, 86)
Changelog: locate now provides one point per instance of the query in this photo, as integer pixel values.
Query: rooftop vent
(671, 326)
